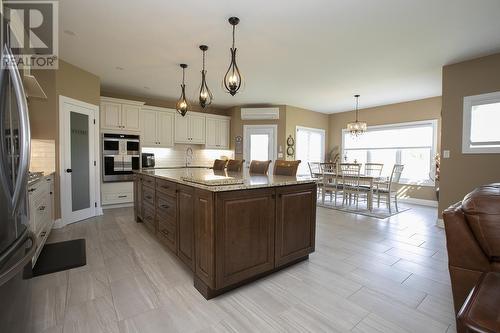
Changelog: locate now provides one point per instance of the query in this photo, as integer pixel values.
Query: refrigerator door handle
(24, 131)
(14, 269)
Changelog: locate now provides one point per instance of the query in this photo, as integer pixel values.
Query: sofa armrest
(463, 248)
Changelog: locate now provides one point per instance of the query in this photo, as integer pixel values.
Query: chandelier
(357, 128)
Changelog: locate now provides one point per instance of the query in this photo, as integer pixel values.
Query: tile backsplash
(43, 156)
(172, 157)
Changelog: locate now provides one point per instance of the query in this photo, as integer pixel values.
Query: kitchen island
(228, 228)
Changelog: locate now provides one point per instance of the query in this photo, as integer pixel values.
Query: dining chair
(286, 168)
(219, 164)
(389, 188)
(259, 167)
(235, 165)
(374, 169)
(314, 169)
(330, 180)
(351, 186)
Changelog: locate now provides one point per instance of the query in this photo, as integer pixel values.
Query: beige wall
(301, 117)
(69, 81)
(424, 109)
(237, 126)
(165, 103)
(463, 172)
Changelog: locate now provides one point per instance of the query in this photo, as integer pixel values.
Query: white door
(166, 129)
(130, 117)
(149, 136)
(111, 115)
(78, 160)
(197, 129)
(259, 143)
(181, 129)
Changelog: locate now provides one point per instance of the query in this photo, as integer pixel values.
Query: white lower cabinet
(157, 127)
(117, 193)
(41, 210)
(217, 132)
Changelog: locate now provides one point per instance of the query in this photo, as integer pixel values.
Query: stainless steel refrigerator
(17, 243)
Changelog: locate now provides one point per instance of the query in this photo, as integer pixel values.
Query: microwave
(120, 154)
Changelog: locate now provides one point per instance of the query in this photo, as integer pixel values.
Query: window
(310, 145)
(480, 124)
(411, 144)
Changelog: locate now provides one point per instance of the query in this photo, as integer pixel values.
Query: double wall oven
(121, 156)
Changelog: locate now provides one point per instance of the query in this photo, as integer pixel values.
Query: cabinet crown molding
(121, 101)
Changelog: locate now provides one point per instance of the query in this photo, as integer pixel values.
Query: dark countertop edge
(224, 188)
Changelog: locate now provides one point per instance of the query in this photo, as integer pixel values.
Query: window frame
(469, 102)
(414, 124)
(323, 141)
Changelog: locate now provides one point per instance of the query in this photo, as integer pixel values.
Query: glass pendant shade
(357, 128)
(205, 97)
(233, 80)
(182, 104)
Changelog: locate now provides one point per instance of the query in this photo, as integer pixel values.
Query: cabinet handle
(122, 196)
(41, 208)
(165, 187)
(165, 206)
(149, 197)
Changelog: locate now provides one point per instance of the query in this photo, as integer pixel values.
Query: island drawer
(148, 195)
(166, 187)
(148, 181)
(167, 232)
(148, 217)
(166, 206)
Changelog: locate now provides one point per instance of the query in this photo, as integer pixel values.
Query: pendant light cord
(203, 60)
(357, 100)
(183, 76)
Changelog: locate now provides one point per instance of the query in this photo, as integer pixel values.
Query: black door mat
(60, 256)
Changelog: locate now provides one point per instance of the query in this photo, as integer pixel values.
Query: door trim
(62, 148)
(275, 148)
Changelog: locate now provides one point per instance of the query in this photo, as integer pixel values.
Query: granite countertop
(220, 181)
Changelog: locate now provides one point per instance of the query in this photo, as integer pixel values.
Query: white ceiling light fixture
(357, 127)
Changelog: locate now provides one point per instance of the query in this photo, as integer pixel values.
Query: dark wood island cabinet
(228, 235)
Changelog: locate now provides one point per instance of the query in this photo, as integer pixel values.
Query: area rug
(381, 212)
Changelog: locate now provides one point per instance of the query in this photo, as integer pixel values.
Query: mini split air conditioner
(260, 113)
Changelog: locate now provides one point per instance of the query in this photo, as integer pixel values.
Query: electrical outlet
(446, 154)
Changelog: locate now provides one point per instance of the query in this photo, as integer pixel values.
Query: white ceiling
(314, 54)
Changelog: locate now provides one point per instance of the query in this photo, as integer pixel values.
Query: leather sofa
(473, 239)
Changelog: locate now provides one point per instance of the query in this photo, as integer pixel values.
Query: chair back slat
(397, 170)
(350, 173)
(374, 169)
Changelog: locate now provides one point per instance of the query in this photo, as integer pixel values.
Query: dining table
(372, 182)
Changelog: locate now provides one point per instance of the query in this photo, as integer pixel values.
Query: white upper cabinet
(157, 127)
(190, 128)
(217, 132)
(120, 114)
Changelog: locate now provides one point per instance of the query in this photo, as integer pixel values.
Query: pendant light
(232, 80)
(182, 104)
(206, 96)
(357, 128)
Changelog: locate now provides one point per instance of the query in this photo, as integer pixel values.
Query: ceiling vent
(260, 113)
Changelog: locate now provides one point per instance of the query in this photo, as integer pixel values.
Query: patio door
(259, 143)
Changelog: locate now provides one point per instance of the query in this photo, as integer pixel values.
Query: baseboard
(123, 205)
(421, 202)
(440, 223)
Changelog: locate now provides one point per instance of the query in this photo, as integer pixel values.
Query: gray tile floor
(367, 275)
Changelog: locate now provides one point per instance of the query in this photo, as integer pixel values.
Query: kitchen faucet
(189, 156)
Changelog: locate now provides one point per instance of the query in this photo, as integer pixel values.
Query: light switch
(280, 155)
(446, 154)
